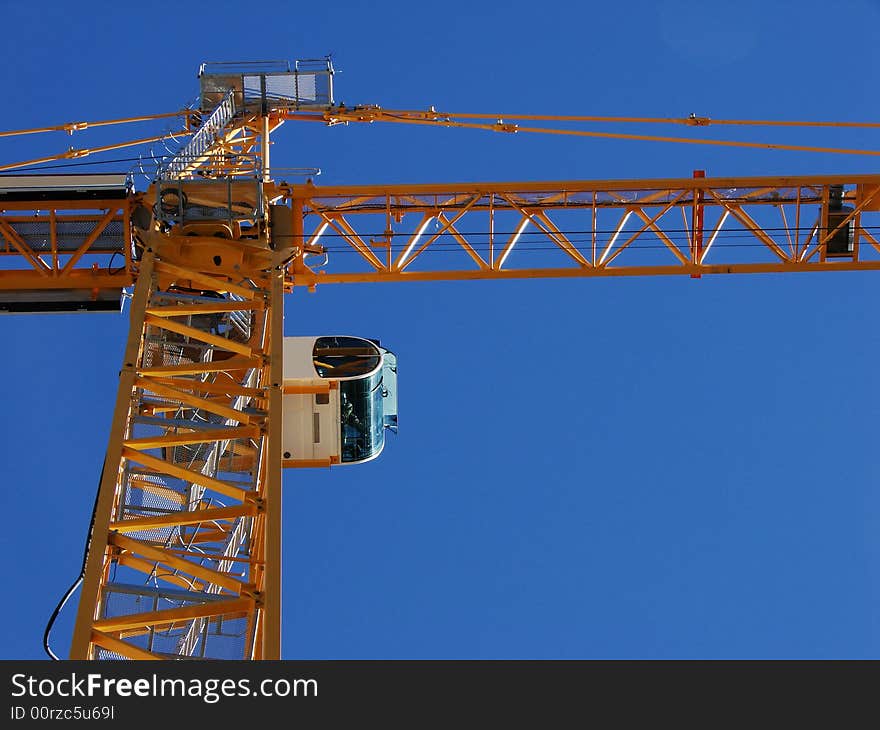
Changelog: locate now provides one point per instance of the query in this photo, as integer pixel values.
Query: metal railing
(201, 141)
(261, 86)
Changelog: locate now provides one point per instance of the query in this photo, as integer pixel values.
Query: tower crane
(213, 402)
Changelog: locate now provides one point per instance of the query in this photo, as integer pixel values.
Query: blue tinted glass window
(361, 415)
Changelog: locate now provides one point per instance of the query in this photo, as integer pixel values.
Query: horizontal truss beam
(54, 245)
(683, 226)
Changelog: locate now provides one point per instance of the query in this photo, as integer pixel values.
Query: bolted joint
(694, 121)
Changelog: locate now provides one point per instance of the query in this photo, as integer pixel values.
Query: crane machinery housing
(213, 401)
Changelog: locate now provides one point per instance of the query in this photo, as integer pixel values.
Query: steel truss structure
(691, 226)
(184, 557)
(497, 230)
(66, 246)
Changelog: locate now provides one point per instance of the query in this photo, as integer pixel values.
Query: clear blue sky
(699, 478)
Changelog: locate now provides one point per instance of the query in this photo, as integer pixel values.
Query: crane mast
(185, 553)
(184, 557)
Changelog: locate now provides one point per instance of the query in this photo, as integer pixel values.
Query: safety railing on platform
(202, 141)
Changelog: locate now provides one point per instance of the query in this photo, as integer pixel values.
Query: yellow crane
(183, 556)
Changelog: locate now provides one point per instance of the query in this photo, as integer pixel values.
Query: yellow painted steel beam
(31, 279)
(309, 192)
(198, 368)
(269, 647)
(219, 388)
(194, 477)
(324, 387)
(181, 310)
(118, 646)
(222, 342)
(314, 279)
(90, 239)
(98, 560)
(12, 236)
(159, 555)
(174, 615)
(148, 568)
(199, 436)
(184, 517)
(154, 386)
(174, 273)
(309, 463)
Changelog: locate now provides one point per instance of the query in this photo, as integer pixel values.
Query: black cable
(73, 586)
(110, 269)
(69, 164)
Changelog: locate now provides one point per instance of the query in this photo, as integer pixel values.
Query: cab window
(344, 357)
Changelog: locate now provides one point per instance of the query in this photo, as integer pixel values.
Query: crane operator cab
(339, 398)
